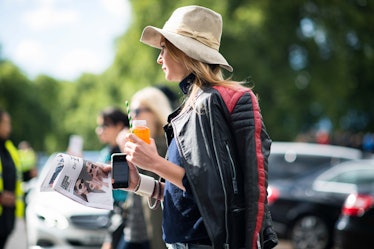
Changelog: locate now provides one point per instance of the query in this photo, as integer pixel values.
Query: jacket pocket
(237, 228)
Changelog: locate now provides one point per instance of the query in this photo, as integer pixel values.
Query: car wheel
(310, 232)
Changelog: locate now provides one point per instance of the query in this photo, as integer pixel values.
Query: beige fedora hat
(193, 29)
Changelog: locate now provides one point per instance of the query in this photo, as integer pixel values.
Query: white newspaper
(80, 180)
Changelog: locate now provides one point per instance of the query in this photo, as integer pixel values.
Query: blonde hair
(206, 74)
(154, 99)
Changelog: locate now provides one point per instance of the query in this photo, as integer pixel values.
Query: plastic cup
(140, 129)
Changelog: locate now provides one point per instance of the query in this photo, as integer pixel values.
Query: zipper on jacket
(234, 181)
(226, 244)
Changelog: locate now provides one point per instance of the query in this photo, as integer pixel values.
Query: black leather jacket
(224, 149)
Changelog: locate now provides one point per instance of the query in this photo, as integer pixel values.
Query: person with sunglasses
(96, 172)
(111, 121)
(143, 225)
(98, 178)
(82, 189)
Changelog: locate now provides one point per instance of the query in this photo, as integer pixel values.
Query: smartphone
(120, 171)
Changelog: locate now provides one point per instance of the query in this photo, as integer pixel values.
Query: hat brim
(191, 47)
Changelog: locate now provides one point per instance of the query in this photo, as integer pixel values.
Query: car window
(357, 177)
(291, 165)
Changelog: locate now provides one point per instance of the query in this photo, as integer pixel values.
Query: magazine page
(81, 180)
(55, 166)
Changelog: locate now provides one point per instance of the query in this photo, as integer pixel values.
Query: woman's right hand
(140, 153)
(7, 199)
(146, 157)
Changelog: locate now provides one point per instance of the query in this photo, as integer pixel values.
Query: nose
(159, 59)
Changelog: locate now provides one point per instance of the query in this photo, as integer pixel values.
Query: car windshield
(285, 166)
(354, 176)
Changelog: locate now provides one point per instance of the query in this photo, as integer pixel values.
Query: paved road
(18, 238)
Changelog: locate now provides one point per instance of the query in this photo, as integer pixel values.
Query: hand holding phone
(120, 171)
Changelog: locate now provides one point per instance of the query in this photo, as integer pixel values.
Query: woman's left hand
(107, 168)
(133, 171)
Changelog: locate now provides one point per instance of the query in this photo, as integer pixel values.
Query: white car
(55, 221)
(291, 160)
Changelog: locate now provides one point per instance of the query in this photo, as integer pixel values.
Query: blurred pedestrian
(75, 146)
(11, 196)
(215, 193)
(368, 142)
(143, 225)
(110, 122)
(28, 159)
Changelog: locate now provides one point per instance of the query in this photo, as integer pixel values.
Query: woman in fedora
(215, 174)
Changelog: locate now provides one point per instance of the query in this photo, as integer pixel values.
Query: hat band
(203, 37)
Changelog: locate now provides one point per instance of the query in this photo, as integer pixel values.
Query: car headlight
(51, 218)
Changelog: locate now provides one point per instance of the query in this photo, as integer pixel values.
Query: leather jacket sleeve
(269, 237)
(253, 148)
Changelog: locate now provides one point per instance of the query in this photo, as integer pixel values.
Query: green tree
(20, 97)
(306, 60)
(48, 124)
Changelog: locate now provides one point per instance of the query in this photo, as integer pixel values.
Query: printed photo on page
(80, 180)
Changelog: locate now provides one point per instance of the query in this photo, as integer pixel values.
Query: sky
(61, 38)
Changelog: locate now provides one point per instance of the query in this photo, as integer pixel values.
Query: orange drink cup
(141, 130)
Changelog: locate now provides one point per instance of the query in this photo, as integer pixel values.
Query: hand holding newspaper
(80, 180)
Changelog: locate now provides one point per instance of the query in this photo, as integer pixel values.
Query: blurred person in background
(75, 146)
(11, 196)
(172, 95)
(143, 227)
(110, 122)
(28, 159)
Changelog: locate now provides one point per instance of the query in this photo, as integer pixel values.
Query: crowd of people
(201, 182)
(141, 226)
(213, 180)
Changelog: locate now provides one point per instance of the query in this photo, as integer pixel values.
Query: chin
(173, 79)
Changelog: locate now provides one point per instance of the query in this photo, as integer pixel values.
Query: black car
(355, 226)
(303, 205)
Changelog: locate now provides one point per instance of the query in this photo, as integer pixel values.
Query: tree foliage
(306, 60)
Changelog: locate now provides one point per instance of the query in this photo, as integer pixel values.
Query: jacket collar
(186, 83)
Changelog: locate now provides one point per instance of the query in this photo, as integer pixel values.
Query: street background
(18, 240)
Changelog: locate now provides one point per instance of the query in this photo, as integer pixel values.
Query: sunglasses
(81, 184)
(92, 167)
(136, 112)
(104, 126)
